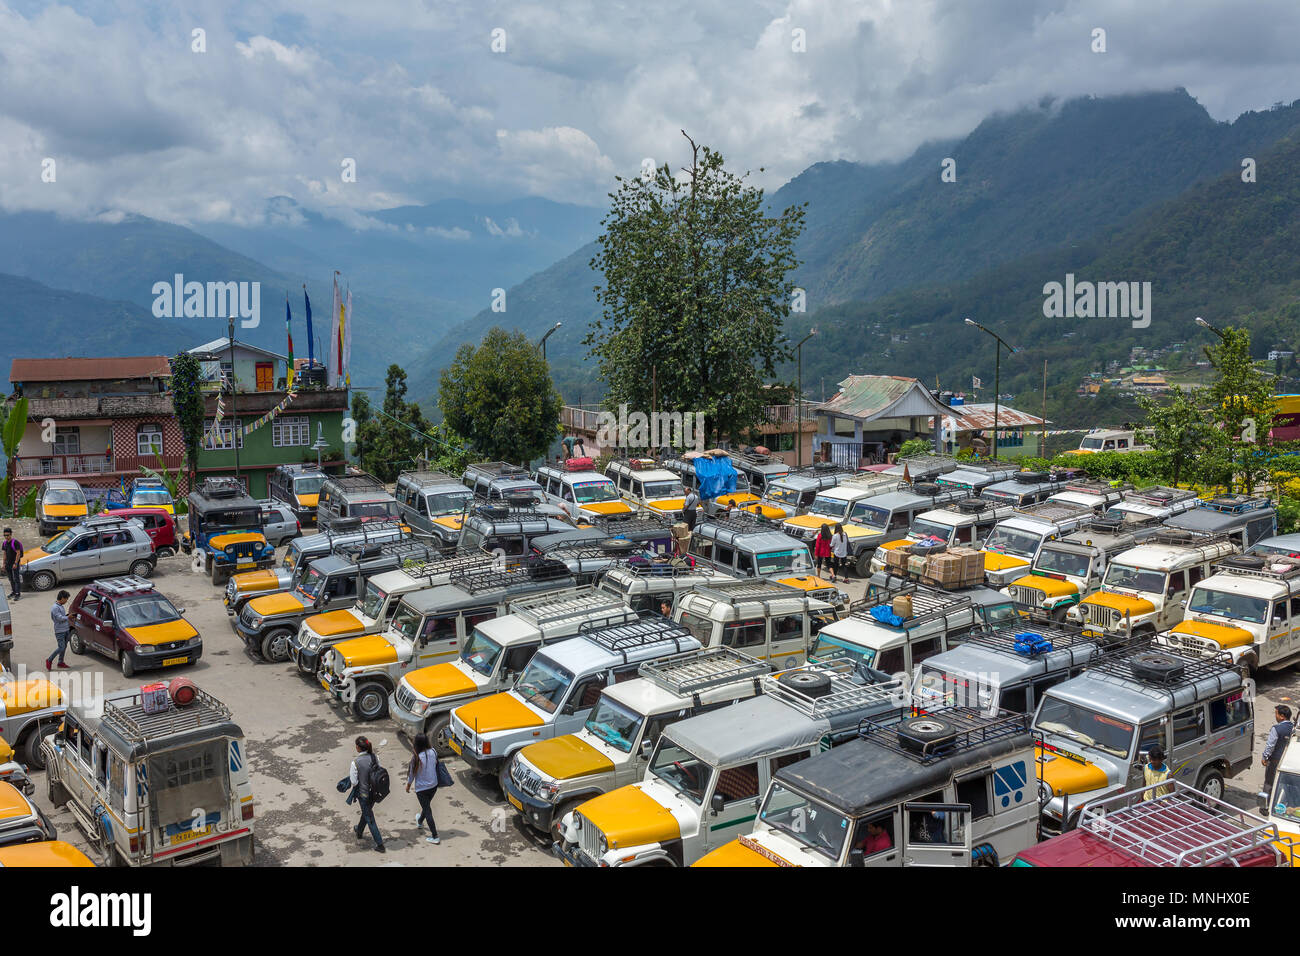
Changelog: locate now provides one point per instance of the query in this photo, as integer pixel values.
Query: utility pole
(234, 411)
(1042, 450)
(799, 398)
(997, 377)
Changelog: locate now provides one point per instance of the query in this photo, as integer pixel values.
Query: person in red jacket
(823, 557)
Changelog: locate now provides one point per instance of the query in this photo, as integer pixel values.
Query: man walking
(13, 551)
(61, 628)
(690, 509)
(1278, 736)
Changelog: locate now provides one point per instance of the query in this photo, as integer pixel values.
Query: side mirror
(717, 804)
(856, 857)
(647, 748)
(180, 611)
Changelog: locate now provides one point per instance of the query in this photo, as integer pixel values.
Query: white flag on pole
(350, 321)
(332, 372)
(975, 382)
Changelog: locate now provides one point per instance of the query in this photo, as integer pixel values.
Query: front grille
(1192, 644)
(525, 779)
(1026, 595)
(1098, 616)
(588, 837)
(246, 616)
(405, 698)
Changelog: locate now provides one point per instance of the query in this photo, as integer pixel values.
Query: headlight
(230, 550)
(255, 621)
(313, 643)
(603, 845)
(420, 707)
(547, 791)
(1044, 794)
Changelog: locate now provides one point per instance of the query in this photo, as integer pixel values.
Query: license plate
(175, 660)
(189, 835)
(324, 683)
(454, 744)
(1089, 632)
(514, 803)
(246, 564)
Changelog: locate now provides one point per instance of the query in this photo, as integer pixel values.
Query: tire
(862, 564)
(43, 581)
(371, 701)
(164, 553)
(275, 645)
(32, 755)
(1210, 783)
(437, 730)
(1155, 666)
(565, 808)
(219, 575)
(75, 643)
(303, 668)
(128, 665)
(809, 683)
(925, 734)
(142, 568)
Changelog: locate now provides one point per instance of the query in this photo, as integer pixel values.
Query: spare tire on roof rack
(1154, 666)
(617, 546)
(808, 683)
(927, 488)
(1031, 477)
(972, 505)
(1252, 561)
(925, 734)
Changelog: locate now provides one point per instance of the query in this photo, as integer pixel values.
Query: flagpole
(234, 408)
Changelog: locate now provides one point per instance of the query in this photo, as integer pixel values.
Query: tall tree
(1242, 401)
(187, 403)
(1184, 436)
(391, 439)
(696, 293)
(501, 398)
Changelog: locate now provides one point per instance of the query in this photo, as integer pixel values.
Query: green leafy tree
(1242, 402)
(389, 439)
(187, 403)
(1183, 434)
(500, 397)
(696, 293)
(11, 435)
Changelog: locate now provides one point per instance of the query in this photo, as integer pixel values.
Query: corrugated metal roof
(869, 397)
(220, 348)
(88, 369)
(979, 415)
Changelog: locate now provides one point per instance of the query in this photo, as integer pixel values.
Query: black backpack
(380, 785)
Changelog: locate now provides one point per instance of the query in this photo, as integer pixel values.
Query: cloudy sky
(136, 120)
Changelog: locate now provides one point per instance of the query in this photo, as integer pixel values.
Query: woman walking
(422, 773)
(822, 556)
(840, 549)
(363, 765)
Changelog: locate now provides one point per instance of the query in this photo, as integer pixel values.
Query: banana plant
(170, 479)
(11, 435)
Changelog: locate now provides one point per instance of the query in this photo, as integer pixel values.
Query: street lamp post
(1206, 325)
(798, 437)
(549, 332)
(997, 377)
(234, 411)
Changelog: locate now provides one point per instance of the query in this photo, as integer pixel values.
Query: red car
(158, 523)
(127, 620)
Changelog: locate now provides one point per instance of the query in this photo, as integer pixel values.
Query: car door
(788, 644)
(581, 699)
(105, 631)
(81, 559)
(1278, 634)
(936, 834)
(84, 618)
(733, 805)
(438, 639)
(1175, 597)
(1188, 733)
(116, 551)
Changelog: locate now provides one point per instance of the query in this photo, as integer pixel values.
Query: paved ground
(299, 746)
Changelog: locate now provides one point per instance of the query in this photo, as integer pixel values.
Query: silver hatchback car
(279, 523)
(97, 547)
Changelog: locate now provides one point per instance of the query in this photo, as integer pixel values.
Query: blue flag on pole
(311, 354)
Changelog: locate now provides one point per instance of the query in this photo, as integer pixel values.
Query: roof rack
(845, 693)
(621, 638)
(1053, 635)
(550, 607)
(689, 674)
(927, 603)
(1186, 538)
(1091, 486)
(220, 487)
(497, 468)
(578, 554)
(427, 477)
(1118, 665)
(751, 590)
(749, 524)
(476, 580)
(1273, 567)
(752, 458)
(1182, 828)
(927, 463)
(1159, 495)
(367, 529)
(664, 569)
(1053, 511)
(1104, 524)
(437, 565)
(500, 509)
(104, 521)
(971, 726)
(646, 522)
(124, 584)
(361, 482)
(634, 462)
(1235, 504)
(131, 721)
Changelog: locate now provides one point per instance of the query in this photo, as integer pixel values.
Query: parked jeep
(225, 526)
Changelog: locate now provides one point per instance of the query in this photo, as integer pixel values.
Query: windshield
(371, 509)
(614, 723)
(813, 824)
(836, 508)
(774, 562)
(1286, 798)
(921, 528)
(543, 684)
(742, 483)
(681, 770)
(311, 582)
(292, 555)
(870, 516)
(1093, 444)
(1022, 544)
(828, 648)
(1063, 562)
(1137, 579)
(481, 652)
(373, 600)
(448, 502)
(1239, 607)
(786, 496)
(996, 615)
(59, 541)
(1084, 726)
(664, 489)
(230, 520)
(66, 496)
(406, 620)
(308, 486)
(151, 496)
(588, 492)
(148, 609)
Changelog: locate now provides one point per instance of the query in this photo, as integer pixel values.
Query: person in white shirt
(840, 549)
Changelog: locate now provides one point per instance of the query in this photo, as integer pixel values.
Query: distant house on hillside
(871, 416)
(94, 420)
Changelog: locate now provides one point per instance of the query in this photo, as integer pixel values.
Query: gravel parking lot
(300, 744)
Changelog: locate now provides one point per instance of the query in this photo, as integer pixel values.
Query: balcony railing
(50, 466)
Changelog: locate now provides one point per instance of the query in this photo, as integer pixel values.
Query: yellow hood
(629, 817)
(1117, 601)
(449, 521)
(767, 511)
(43, 853)
(32, 555)
(1051, 587)
(566, 757)
(807, 582)
(996, 561)
(666, 504)
(13, 805)
(498, 712)
(332, 623)
(270, 605)
(24, 696)
(1225, 635)
(256, 581)
(366, 651)
(810, 521)
(734, 854)
(440, 680)
(895, 545)
(64, 511)
(607, 508)
(223, 541)
(307, 501)
(1066, 775)
(737, 499)
(150, 635)
(6, 752)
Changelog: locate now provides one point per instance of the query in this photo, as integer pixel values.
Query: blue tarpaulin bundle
(716, 476)
(885, 616)
(1030, 643)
